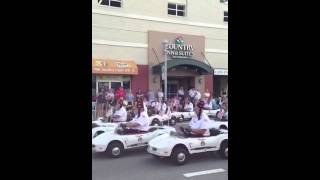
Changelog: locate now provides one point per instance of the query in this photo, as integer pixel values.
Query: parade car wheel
(181, 119)
(223, 127)
(224, 150)
(179, 155)
(173, 122)
(115, 149)
(155, 122)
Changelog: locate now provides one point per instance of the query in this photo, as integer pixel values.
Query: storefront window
(126, 85)
(115, 85)
(102, 85)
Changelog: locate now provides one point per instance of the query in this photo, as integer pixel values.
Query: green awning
(201, 66)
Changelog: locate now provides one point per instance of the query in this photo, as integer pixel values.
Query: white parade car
(107, 127)
(179, 147)
(98, 122)
(157, 120)
(99, 127)
(182, 116)
(218, 124)
(115, 142)
(211, 113)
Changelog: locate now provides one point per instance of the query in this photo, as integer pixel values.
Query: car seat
(214, 132)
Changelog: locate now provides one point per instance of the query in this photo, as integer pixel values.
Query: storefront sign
(114, 67)
(179, 49)
(221, 72)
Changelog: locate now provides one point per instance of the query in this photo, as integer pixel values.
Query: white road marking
(203, 172)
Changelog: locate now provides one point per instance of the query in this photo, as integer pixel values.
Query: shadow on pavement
(194, 159)
(126, 153)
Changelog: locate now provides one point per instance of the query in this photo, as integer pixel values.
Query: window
(225, 16)
(113, 3)
(176, 9)
(126, 85)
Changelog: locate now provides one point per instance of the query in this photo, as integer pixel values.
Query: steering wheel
(186, 131)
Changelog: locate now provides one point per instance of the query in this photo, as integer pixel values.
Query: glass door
(101, 85)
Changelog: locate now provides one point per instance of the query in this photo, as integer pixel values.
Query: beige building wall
(122, 33)
(205, 11)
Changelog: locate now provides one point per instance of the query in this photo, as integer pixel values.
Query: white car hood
(104, 137)
(162, 141)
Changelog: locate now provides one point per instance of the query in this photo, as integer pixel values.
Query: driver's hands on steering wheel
(188, 130)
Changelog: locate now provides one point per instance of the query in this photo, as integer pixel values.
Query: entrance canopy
(202, 68)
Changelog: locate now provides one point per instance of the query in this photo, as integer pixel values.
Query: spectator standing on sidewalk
(100, 104)
(181, 94)
(110, 97)
(188, 106)
(197, 96)
(160, 95)
(130, 97)
(139, 96)
(120, 94)
(191, 94)
(206, 95)
(151, 97)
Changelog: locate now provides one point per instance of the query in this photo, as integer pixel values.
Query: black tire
(223, 152)
(155, 121)
(223, 127)
(182, 118)
(172, 122)
(179, 156)
(113, 151)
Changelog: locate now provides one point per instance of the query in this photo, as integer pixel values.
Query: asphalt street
(139, 165)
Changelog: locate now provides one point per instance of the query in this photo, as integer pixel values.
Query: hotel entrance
(175, 82)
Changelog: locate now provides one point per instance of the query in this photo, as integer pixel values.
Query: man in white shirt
(199, 124)
(191, 92)
(197, 95)
(121, 113)
(140, 122)
(160, 94)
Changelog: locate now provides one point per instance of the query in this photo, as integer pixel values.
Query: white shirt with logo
(203, 123)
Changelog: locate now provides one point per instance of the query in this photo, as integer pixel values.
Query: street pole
(164, 43)
(166, 75)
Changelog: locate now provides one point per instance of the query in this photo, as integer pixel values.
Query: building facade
(129, 39)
